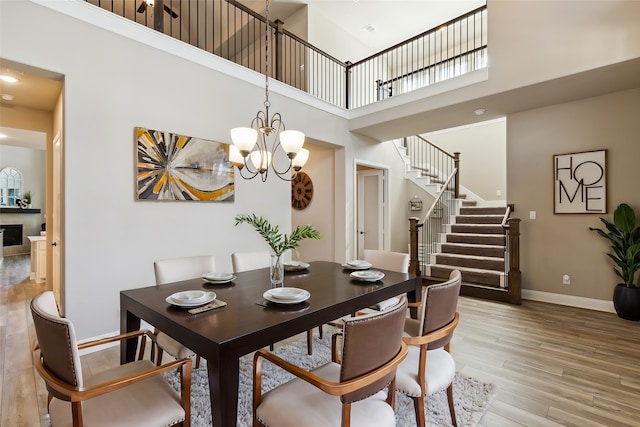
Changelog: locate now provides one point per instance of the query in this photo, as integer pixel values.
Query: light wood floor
(553, 365)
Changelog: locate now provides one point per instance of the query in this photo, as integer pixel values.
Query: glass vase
(276, 270)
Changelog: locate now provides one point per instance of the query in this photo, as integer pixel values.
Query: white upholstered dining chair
(386, 260)
(245, 261)
(429, 367)
(346, 392)
(132, 394)
(175, 270)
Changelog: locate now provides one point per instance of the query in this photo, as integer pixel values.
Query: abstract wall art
(580, 182)
(177, 167)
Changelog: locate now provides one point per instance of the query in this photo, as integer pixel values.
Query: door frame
(385, 212)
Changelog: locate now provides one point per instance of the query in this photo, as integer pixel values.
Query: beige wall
(553, 245)
(319, 212)
(483, 161)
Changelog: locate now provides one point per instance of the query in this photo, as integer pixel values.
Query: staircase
(475, 244)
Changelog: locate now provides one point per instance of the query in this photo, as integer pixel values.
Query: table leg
(128, 323)
(223, 389)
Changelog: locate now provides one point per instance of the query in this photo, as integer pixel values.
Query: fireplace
(12, 234)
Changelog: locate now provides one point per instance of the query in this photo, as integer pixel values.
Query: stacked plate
(295, 265)
(218, 277)
(286, 295)
(357, 264)
(191, 298)
(367, 276)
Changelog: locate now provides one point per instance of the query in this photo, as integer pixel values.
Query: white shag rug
(472, 397)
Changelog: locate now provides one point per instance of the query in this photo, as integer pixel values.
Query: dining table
(248, 321)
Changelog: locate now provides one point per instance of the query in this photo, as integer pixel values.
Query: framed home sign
(580, 182)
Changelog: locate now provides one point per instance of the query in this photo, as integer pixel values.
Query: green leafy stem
(278, 242)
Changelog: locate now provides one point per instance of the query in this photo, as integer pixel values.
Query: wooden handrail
(440, 194)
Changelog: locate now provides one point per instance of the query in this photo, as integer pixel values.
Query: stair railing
(438, 216)
(235, 32)
(432, 161)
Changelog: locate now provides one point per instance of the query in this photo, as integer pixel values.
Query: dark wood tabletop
(223, 335)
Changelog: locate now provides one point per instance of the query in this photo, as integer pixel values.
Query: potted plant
(277, 241)
(624, 236)
(27, 198)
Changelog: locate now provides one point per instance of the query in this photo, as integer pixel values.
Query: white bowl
(188, 297)
(359, 263)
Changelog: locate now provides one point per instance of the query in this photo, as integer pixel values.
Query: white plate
(210, 297)
(295, 265)
(227, 278)
(368, 276)
(302, 296)
(190, 297)
(216, 277)
(357, 265)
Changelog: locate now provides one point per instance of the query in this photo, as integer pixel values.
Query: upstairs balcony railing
(232, 31)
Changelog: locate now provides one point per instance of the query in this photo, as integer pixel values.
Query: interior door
(370, 224)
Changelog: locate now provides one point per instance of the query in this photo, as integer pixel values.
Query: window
(10, 186)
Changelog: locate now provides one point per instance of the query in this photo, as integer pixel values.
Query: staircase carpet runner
(474, 244)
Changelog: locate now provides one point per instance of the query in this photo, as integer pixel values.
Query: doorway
(372, 211)
(36, 105)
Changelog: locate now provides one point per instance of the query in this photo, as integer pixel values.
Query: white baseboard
(569, 300)
(143, 325)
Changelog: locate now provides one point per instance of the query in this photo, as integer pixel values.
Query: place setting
(367, 275)
(357, 264)
(285, 298)
(196, 301)
(218, 278)
(294, 266)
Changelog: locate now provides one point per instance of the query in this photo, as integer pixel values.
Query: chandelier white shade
(252, 153)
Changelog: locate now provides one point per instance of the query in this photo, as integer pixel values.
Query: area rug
(472, 397)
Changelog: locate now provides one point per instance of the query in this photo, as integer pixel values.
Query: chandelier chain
(267, 104)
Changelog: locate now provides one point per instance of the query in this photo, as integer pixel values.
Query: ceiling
(352, 16)
(34, 90)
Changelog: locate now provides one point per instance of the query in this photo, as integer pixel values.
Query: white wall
(111, 240)
(31, 164)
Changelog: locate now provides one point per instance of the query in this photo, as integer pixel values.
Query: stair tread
(473, 245)
(477, 257)
(475, 234)
(469, 269)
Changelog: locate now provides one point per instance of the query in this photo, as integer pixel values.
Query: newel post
(347, 85)
(414, 262)
(456, 164)
(515, 276)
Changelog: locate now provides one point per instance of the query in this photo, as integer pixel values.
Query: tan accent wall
(553, 245)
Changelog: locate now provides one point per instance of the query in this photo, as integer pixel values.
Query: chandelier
(250, 151)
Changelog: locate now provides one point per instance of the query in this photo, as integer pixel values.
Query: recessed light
(7, 97)
(479, 111)
(3, 136)
(369, 28)
(7, 78)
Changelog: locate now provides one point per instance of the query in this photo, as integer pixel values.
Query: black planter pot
(627, 302)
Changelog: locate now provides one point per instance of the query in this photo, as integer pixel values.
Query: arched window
(10, 186)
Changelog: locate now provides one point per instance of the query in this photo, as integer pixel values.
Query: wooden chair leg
(159, 359)
(418, 404)
(310, 342)
(197, 361)
(270, 347)
(452, 409)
